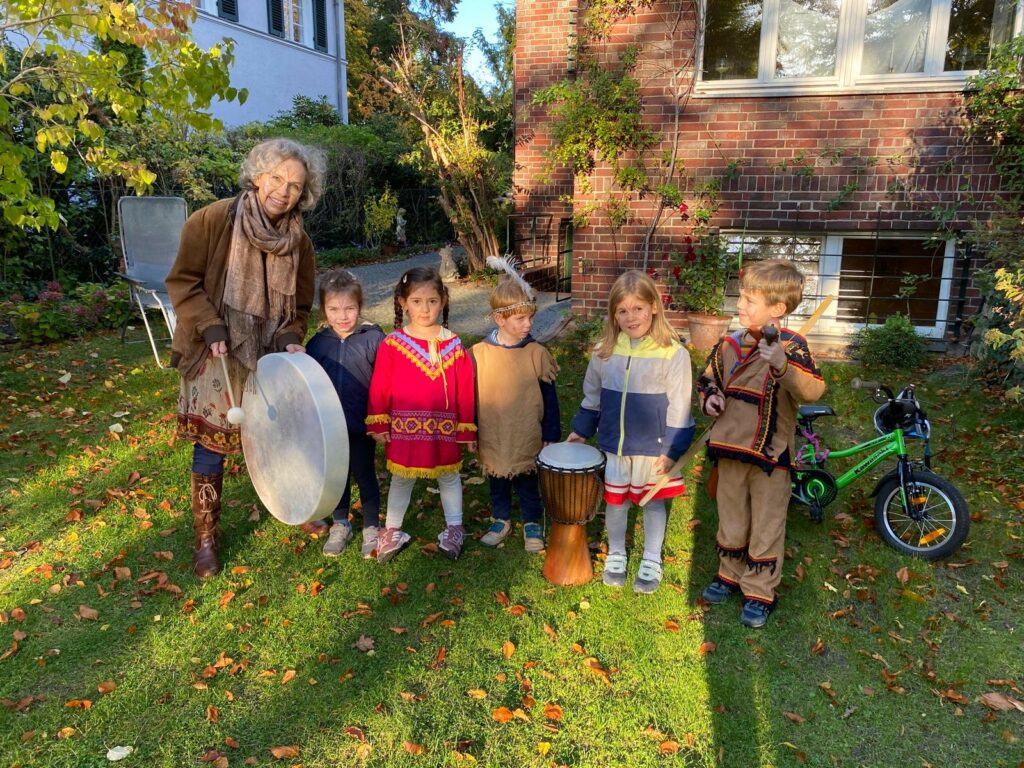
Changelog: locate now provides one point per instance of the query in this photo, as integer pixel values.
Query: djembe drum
(294, 438)
(571, 483)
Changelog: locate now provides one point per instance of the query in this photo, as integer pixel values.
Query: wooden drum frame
(572, 485)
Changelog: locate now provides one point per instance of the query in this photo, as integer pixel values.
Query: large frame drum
(572, 484)
(294, 438)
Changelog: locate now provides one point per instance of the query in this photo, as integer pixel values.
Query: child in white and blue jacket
(636, 397)
(346, 348)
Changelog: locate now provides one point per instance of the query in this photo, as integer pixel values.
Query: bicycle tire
(945, 526)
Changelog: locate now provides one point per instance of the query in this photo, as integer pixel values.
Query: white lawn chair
(150, 231)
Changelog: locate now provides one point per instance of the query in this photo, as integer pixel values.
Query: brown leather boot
(206, 491)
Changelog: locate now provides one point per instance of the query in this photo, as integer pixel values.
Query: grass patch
(856, 668)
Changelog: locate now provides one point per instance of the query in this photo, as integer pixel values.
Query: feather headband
(506, 264)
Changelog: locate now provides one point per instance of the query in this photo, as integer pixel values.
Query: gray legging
(400, 495)
(616, 517)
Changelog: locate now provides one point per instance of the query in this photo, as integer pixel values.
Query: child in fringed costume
(517, 408)
(421, 407)
(753, 389)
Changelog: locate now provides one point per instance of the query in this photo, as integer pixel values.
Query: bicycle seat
(811, 412)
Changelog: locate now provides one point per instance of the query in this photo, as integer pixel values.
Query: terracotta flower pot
(706, 330)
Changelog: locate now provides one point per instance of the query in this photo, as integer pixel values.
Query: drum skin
(294, 438)
(570, 481)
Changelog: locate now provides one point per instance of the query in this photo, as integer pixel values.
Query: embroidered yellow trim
(428, 371)
(428, 472)
(461, 427)
(382, 418)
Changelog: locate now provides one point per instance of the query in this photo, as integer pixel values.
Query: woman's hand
(714, 405)
(219, 348)
(471, 447)
(662, 465)
(293, 348)
(381, 438)
(574, 438)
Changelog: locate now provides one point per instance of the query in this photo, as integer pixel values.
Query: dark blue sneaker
(719, 591)
(755, 613)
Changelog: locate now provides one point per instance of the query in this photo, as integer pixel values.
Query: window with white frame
(293, 20)
(789, 45)
(871, 277)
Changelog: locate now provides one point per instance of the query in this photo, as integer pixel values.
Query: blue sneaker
(719, 591)
(533, 538)
(755, 613)
(496, 533)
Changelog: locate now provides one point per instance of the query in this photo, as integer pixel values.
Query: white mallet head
(236, 415)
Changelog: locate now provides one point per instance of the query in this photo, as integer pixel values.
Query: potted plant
(697, 286)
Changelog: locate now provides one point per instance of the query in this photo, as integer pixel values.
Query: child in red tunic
(422, 408)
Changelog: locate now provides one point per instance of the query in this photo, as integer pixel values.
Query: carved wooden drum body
(294, 438)
(572, 484)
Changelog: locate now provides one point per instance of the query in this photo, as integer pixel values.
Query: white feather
(505, 264)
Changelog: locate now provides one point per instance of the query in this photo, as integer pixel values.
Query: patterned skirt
(203, 404)
(628, 478)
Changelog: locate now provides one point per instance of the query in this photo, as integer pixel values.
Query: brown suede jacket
(196, 287)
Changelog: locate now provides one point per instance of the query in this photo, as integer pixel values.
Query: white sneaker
(338, 538)
(370, 535)
(496, 533)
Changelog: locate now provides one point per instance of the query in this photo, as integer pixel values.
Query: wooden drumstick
(235, 413)
(700, 441)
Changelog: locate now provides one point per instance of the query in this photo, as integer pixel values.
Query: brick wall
(906, 153)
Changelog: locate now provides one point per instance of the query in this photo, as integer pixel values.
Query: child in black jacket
(346, 347)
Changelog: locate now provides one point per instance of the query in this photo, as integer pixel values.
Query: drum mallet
(700, 441)
(235, 413)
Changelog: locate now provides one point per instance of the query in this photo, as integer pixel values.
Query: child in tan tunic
(517, 408)
(753, 387)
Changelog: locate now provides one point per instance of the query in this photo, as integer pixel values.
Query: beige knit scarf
(259, 294)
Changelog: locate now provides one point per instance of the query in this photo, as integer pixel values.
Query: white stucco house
(283, 48)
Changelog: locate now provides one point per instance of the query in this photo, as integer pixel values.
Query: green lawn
(106, 639)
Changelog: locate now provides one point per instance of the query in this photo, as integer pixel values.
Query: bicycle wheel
(940, 522)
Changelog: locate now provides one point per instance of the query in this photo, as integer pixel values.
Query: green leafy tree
(81, 68)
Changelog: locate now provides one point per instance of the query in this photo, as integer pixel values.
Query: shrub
(54, 315)
(379, 218)
(896, 343)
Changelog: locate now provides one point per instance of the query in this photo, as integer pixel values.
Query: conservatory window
(826, 45)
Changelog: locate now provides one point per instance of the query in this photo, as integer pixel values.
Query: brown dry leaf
(707, 647)
(363, 644)
(413, 749)
(288, 676)
(233, 743)
(209, 756)
(507, 649)
(221, 762)
(476, 693)
(818, 648)
(442, 652)
(431, 619)
(226, 598)
(11, 650)
(653, 733)
(164, 555)
(553, 711)
(355, 733)
(528, 702)
(903, 575)
(502, 598)
(106, 687)
(86, 612)
(363, 750)
(398, 630)
(502, 714)
(671, 626)
(668, 747)
(316, 588)
(516, 610)
(1000, 702)
(122, 574)
(66, 732)
(798, 719)
(18, 614)
(282, 753)
(212, 713)
(552, 634)
(520, 715)
(238, 570)
(577, 648)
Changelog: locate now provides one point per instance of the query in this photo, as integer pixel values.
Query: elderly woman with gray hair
(242, 286)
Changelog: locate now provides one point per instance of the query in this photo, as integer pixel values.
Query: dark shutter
(275, 17)
(228, 9)
(320, 25)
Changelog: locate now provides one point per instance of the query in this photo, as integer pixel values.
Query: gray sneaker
(370, 542)
(338, 538)
(496, 533)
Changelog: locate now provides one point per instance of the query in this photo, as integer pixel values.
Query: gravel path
(469, 300)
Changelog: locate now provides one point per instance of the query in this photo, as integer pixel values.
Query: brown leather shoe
(318, 527)
(206, 493)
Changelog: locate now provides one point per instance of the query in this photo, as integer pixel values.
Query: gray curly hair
(267, 155)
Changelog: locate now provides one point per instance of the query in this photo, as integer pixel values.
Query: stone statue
(449, 269)
(400, 227)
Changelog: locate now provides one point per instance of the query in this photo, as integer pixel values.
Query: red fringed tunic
(424, 401)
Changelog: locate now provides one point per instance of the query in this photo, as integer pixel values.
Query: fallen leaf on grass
(66, 732)
(502, 715)
(551, 633)
(543, 747)
(431, 619)
(903, 575)
(671, 626)
(106, 687)
(79, 704)
(502, 598)
(355, 733)
(363, 644)
(553, 712)
(282, 753)
(85, 612)
(11, 650)
(398, 630)
(1001, 702)
(226, 598)
(442, 652)
(516, 610)
(476, 693)
(507, 649)
(707, 647)
(233, 743)
(288, 676)
(818, 648)
(413, 749)
(212, 713)
(800, 755)
(668, 747)
(798, 719)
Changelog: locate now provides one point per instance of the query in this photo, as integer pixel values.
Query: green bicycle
(916, 511)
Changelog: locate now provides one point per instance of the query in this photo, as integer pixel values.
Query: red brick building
(833, 129)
